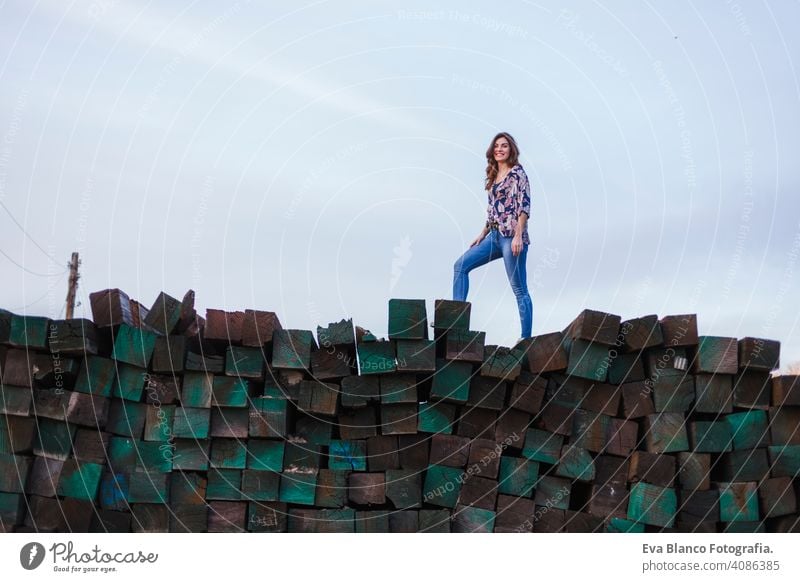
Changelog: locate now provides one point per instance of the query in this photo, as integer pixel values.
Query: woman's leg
(476, 256)
(517, 276)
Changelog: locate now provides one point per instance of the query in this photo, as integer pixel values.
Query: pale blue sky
(317, 159)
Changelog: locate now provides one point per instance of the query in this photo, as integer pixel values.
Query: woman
(506, 231)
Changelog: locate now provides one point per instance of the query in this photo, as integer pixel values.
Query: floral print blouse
(507, 200)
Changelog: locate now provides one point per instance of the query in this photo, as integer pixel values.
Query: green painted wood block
(347, 455)
(159, 422)
(716, 355)
(784, 460)
(749, 429)
(451, 314)
(575, 463)
(265, 455)
(619, 525)
(587, 360)
(228, 454)
(299, 488)
(229, 391)
(149, 488)
(164, 314)
(126, 418)
(122, 453)
(224, 485)
(197, 389)
(626, 368)
(666, 433)
(191, 455)
(436, 417)
(673, 392)
(403, 488)
(376, 357)
(652, 505)
(442, 485)
(268, 417)
(399, 388)
(501, 362)
(154, 457)
(96, 376)
(244, 362)
(191, 422)
(129, 383)
(416, 355)
(738, 501)
(28, 331)
(336, 521)
(133, 345)
(451, 381)
(261, 485)
(468, 519)
(542, 446)
(517, 476)
(291, 348)
(338, 333)
(80, 480)
(54, 438)
(710, 436)
(12, 508)
(331, 488)
(408, 319)
(114, 488)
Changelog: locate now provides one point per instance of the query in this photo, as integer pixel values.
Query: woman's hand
(478, 240)
(516, 244)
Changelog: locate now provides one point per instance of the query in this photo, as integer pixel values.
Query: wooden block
(549, 520)
(786, 390)
(594, 326)
(738, 501)
(451, 314)
(191, 455)
(625, 368)
(403, 488)
(224, 326)
(617, 525)
(291, 348)
(465, 345)
(547, 353)
(228, 454)
(51, 404)
(158, 422)
(374, 521)
(777, 497)
(347, 455)
(477, 423)
(750, 429)
(194, 423)
(580, 522)
(407, 319)
(602, 398)
(641, 333)
(299, 488)
(510, 424)
(126, 418)
(229, 391)
(336, 334)
(224, 485)
(258, 326)
(416, 355)
(327, 364)
(197, 389)
(553, 492)
(527, 393)
(698, 506)
(542, 446)
(652, 468)
(227, 516)
(311, 430)
(436, 417)
(414, 451)
(714, 393)
(434, 521)
(90, 445)
(28, 331)
(555, 418)
(331, 488)
(652, 505)
(744, 465)
(79, 480)
(398, 419)
(96, 376)
(267, 516)
(590, 430)
(110, 307)
(87, 409)
(164, 314)
(567, 391)
(188, 518)
(485, 392)
(694, 470)
(759, 354)
(129, 382)
(382, 453)
(575, 463)
(189, 489)
(451, 381)
(357, 391)
(666, 433)
(72, 337)
(514, 515)
(14, 472)
(783, 423)
(784, 460)
(751, 389)
(12, 510)
(265, 455)
(442, 485)
(710, 436)
(162, 389)
(43, 514)
(133, 345)
(367, 488)
(318, 398)
(260, 485)
(204, 361)
(376, 357)
(449, 450)
(501, 362)
(154, 457)
(518, 476)
(716, 355)
(468, 519)
(268, 417)
(358, 424)
(244, 362)
(398, 388)
(484, 455)
(15, 400)
(676, 392)
(110, 522)
(637, 400)
(679, 330)
(54, 439)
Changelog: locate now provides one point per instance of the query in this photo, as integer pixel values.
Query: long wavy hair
(491, 163)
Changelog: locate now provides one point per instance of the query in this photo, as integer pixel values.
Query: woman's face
(502, 149)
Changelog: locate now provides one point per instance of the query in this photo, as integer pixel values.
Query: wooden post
(73, 284)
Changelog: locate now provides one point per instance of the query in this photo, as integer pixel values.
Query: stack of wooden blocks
(160, 420)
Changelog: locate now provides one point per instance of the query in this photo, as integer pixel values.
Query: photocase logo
(31, 555)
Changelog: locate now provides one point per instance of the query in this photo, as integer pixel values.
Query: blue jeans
(492, 247)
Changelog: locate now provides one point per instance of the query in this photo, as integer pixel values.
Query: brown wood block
(367, 488)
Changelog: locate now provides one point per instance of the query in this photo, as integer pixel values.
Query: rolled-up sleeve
(521, 193)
